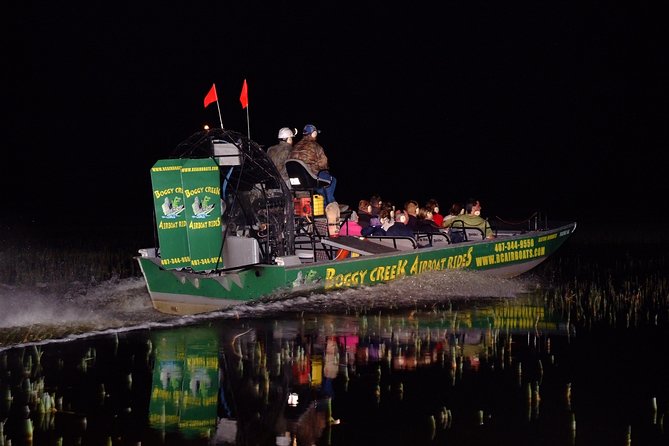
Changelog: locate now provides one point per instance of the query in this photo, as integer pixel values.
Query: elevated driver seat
(303, 185)
(301, 177)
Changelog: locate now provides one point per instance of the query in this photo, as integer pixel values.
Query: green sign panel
(169, 205)
(200, 180)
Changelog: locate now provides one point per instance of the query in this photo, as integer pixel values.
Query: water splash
(45, 314)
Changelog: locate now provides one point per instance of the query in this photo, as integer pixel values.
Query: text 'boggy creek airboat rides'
(230, 230)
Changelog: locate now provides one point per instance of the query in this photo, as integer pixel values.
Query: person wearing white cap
(280, 152)
(313, 155)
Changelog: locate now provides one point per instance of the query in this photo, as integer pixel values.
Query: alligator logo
(201, 209)
(172, 208)
(310, 278)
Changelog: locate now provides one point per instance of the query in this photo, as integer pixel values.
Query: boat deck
(357, 245)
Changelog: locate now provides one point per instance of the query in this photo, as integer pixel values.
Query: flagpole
(248, 124)
(244, 99)
(219, 114)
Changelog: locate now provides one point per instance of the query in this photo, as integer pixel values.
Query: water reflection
(184, 390)
(480, 372)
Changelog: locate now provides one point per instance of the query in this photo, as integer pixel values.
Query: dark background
(553, 106)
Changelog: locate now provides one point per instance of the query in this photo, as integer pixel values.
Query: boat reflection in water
(260, 381)
(278, 382)
(459, 373)
(184, 393)
(227, 385)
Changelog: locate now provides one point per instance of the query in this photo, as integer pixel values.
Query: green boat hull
(185, 292)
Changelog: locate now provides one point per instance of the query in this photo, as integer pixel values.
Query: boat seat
(474, 234)
(458, 232)
(433, 238)
(402, 243)
(301, 177)
(358, 245)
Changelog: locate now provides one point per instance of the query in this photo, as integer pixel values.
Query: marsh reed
(32, 255)
(612, 282)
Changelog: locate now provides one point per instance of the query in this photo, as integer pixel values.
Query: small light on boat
(283, 440)
(292, 399)
(290, 260)
(206, 127)
(148, 252)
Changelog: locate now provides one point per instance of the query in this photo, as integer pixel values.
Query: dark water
(573, 354)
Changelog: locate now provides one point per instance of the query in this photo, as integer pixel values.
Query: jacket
(279, 153)
(312, 153)
(399, 229)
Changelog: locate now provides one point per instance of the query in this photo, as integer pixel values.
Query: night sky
(553, 106)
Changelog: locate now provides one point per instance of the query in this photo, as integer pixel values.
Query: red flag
(244, 97)
(211, 96)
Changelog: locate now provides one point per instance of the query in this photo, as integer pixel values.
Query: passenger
(351, 226)
(425, 222)
(364, 213)
(432, 205)
(377, 204)
(411, 209)
(455, 211)
(472, 219)
(280, 152)
(399, 228)
(374, 228)
(389, 206)
(386, 218)
(332, 215)
(311, 152)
